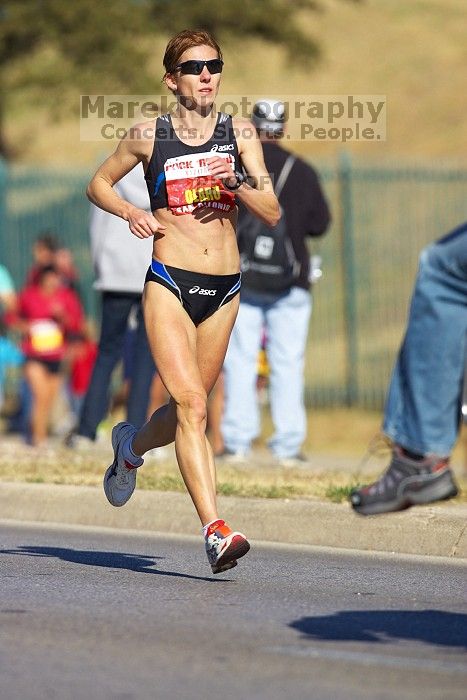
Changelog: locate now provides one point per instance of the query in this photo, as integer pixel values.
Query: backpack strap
(284, 174)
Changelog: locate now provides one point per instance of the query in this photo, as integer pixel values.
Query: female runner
(194, 160)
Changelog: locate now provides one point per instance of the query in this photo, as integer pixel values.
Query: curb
(437, 530)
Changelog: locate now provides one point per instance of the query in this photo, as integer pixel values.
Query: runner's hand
(221, 168)
(142, 224)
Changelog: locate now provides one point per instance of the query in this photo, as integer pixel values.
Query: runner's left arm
(259, 200)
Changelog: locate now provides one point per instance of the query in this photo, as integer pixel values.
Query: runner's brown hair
(183, 41)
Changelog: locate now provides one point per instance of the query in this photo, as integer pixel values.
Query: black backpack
(267, 257)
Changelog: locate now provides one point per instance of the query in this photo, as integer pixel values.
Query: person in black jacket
(283, 314)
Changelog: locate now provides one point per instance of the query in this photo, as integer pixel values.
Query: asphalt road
(93, 614)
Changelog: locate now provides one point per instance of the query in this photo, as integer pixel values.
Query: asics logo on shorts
(204, 292)
(226, 147)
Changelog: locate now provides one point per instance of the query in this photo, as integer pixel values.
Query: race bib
(46, 337)
(190, 185)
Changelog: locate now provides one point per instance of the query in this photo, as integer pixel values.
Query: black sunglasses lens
(191, 67)
(186, 67)
(215, 66)
(196, 67)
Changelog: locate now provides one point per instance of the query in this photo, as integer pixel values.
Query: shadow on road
(431, 626)
(109, 560)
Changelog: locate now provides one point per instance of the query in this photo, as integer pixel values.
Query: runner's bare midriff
(203, 241)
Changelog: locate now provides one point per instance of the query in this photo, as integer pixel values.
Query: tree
(56, 48)
(270, 20)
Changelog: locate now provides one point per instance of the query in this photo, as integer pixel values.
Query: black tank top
(177, 175)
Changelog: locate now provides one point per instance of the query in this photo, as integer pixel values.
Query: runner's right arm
(134, 148)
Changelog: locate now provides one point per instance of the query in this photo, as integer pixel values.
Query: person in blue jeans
(120, 264)
(285, 315)
(423, 407)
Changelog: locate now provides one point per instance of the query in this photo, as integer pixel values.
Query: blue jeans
(116, 307)
(286, 321)
(423, 405)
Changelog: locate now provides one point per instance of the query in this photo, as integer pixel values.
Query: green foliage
(269, 20)
(85, 42)
(54, 50)
(258, 490)
(338, 494)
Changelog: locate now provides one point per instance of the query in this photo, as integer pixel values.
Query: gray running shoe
(406, 482)
(120, 477)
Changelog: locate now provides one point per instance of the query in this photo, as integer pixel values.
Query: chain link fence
(383, 215)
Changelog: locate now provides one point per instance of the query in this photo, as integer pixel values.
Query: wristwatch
(240, 177)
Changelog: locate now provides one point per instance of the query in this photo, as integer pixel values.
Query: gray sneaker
(120, 477)
(406, 482)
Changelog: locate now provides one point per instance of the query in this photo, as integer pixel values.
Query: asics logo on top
(226, 147)
(205, 292)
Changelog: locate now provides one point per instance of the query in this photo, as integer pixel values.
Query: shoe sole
(229, 565)
(236, 549)
(442, 490)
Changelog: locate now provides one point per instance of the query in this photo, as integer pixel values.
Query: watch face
(241, 178)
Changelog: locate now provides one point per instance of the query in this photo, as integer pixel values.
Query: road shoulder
(437, 530)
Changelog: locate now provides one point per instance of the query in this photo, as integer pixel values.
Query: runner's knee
(192, 409)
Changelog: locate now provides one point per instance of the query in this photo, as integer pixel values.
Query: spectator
(10, 356)
(66, 267)
(120, 263)
(275, 297)
(83, 353)
(47, 312)
(48, 251)
(7, 292)
(8, 307)
(43, 251)
(423, 407)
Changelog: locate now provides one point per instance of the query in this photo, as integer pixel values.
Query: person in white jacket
(120, 262)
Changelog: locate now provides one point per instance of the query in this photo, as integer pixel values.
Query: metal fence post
(3, 209)
(348, 272)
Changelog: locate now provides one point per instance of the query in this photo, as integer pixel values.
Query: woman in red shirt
(48, 311)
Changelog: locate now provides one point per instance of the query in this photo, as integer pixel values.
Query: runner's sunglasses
(196, 67)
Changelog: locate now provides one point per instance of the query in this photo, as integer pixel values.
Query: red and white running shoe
(224, 546)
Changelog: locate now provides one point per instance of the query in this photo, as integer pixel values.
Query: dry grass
(336, 444)
(66, 467)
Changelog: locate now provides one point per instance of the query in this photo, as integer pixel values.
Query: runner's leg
(189, 360)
